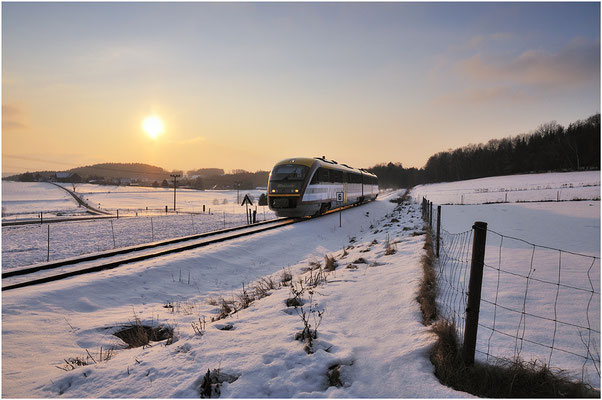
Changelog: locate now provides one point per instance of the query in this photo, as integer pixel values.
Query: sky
(244, 85)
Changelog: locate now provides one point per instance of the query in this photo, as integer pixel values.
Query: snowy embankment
(370, 326)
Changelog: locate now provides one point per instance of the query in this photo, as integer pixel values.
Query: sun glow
(153, 126)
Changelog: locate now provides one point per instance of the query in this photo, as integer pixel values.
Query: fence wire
(537, 302)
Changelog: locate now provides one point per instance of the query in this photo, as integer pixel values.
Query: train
(305, 187)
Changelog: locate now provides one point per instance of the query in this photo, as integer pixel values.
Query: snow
(571, 226)
(24, 199)
(31, 198)
(46, 324)
(371, 321)
(28, 244)
(565, 186)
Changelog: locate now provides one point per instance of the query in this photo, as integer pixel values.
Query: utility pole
(175, 183)
(237, 191)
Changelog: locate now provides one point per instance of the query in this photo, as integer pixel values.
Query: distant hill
(149, 175)
(137, 171)
(206, 172)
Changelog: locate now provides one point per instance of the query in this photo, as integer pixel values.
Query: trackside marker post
(340, 197)
(474, 291)
(247, 202)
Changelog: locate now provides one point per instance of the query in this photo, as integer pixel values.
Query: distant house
(62, 176)
(125, 181)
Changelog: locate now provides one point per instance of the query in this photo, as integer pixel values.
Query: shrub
(330, 263)
(389, 247)
(286, 276)
(199, 328)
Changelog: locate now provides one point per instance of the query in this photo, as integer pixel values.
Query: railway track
(66, 268)
(53, 271)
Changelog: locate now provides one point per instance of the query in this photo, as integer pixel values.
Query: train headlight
(296, 190)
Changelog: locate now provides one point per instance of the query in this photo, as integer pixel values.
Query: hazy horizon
(184, 86)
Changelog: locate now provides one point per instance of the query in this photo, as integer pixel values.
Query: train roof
(308, 162)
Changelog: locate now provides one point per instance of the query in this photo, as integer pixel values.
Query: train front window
(289, 173)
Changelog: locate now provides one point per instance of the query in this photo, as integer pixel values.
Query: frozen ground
(564, 186)
(370, 324)
(570, 227)
(27, 200)
(28, 244)
(21, 199)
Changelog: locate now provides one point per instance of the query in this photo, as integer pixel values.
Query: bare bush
(286, 276)
(310, 315)
(330, 263)
(199, 328)
(314, 278)
(390, 248)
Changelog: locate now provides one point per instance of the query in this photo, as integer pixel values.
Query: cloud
(483, 95)
(12, 117)
(576, 63)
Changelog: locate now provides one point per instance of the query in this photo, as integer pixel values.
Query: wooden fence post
(438, 228)
(430, 215)
(474, 291)
(48, 253)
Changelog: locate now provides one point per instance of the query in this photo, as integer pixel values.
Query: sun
(153, 126)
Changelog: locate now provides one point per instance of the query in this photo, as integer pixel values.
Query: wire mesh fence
(537, 302)
(30, 244)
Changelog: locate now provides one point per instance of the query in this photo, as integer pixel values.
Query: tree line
(551, 147)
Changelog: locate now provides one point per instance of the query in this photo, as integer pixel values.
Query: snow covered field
(370, 325)
(564, 186)
(27, 200)
(30, 198)
(28, 244)
(370, 331)
(561, 286)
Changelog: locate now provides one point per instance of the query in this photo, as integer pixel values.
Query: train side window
(314, 179)
(337, 176)
(323, 175)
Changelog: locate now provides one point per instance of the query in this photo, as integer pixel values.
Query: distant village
(150, 176)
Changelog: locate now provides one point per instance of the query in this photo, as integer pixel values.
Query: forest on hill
(551, 147)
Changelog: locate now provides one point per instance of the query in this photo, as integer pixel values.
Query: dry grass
(262, 287)
(330, 263)
(314, 264)
(511, 378)
(427, 292)
(286, 276)
(74, 362)
(314, 278)
(137, 335)
(199, 328)
(390, 247)
(508, 378)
